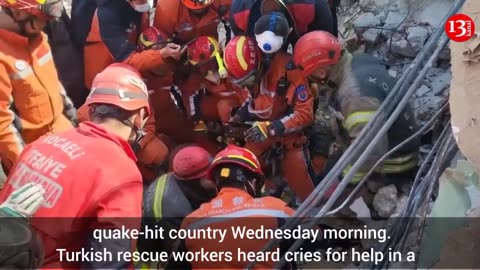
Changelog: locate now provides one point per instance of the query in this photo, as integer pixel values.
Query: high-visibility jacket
(176, 20)
(32, 99)
(234, 209)
(361, 83)
(91, 181)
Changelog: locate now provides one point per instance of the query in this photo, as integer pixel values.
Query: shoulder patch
(301, 92)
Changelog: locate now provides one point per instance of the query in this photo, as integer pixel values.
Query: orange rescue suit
(32, 99)
(218, 101)
(244, 212)
(170, 120)
(295, 111)
(176, 20)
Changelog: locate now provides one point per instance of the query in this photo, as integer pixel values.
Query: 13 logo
(460, 27)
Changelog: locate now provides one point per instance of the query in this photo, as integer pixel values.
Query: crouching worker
(173, 196)
(20, 246)
(239, 177)
(89, 174)
(355, 86)
(280, 106)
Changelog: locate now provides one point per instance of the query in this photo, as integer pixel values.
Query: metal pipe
(367, 132)
(419, 132)
(404, 224)
(384, 129)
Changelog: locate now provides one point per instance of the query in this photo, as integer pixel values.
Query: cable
(396, 148)
(366, 135)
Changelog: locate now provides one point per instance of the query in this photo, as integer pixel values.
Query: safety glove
(24, 202)
(260, 131)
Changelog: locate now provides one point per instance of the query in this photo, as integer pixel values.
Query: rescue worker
(89, 173)
(112, 37)
(355, 86)
(33, 101)
(186, 20)
(207, 91)
(280, 107)
(173, 127)
(20, 246)
(238, 205)
(186, 187)
(277, 23)
(208, 95)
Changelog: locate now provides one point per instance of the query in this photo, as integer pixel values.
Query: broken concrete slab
(417, 36)
(366, 20)
(393, 20)
(423, 91)
(441, 82)
(385, 201)
(371, 35)
(403, 48)
(426, 106)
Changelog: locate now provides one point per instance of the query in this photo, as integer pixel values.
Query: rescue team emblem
(301, 92)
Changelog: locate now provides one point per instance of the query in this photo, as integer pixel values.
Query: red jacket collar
(95, 130)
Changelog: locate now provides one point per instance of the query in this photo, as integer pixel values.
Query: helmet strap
(139, 134)
(250, 188)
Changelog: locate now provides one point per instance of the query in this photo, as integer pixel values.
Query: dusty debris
(393, 20)
(366, 20)
(385, 201)
(417, 36)
(371, 35)
(441, 82)
(423, 91)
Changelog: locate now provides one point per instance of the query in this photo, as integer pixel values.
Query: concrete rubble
(394, 31)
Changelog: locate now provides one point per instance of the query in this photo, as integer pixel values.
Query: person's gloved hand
(260, 131)
(24, 202)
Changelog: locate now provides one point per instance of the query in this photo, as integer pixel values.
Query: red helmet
(316, 49)
(191, 162)
(197, 4)
(46, 9)
(203, 50)
(151, 37)
(241, 57)
(233, 154)
(122, 86)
